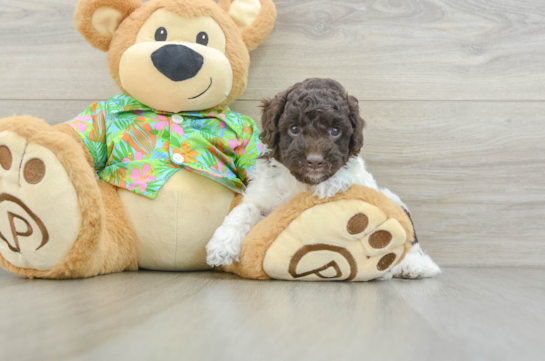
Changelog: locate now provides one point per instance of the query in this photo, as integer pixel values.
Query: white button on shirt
(178, 119)
(178, 159)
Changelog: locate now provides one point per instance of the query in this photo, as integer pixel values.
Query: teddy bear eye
(202, 38)
(161, 34)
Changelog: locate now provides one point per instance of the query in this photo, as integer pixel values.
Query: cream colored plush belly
(174, 228)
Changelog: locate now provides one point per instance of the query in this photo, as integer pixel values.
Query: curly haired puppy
(313, 134)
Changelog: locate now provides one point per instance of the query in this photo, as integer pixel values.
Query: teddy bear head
(178, 55)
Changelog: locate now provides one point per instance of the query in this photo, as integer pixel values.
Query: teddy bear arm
(68, 130)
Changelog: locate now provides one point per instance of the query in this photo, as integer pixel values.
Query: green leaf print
(204, 142)
(122, 151)
(175, 143)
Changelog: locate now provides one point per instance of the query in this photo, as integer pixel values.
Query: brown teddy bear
(142, 180)
(179, 64)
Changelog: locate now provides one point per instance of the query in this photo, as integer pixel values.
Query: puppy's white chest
(272, 185)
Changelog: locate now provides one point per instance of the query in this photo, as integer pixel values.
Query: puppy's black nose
(177, 62)
(315, 161)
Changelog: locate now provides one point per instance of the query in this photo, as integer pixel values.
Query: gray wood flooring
(464, 314)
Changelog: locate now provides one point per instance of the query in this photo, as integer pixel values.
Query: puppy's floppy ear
(272, 111)
(98, 20)
(254, 18)
(356, 142)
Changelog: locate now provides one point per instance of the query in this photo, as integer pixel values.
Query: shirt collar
(126, 103)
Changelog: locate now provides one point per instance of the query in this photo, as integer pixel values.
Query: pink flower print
(238, 147)
(85, 118)
(78, 122)
(218, 169)
(80, 127)
(222, 118)
(141, 180)
(162, 122)
(137, 156)
(177, 129)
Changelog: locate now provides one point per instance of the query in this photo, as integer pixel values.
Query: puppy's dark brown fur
(313, 119)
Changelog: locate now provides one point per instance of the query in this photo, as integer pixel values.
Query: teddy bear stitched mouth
(209, 86)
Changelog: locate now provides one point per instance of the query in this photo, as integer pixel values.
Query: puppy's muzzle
(177, 62)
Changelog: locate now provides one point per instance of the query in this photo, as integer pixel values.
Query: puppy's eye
(161, 34)
(295, 130)
(335, 132)
(202, 38)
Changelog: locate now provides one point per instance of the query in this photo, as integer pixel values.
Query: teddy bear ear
(97, 20)
(254, 18)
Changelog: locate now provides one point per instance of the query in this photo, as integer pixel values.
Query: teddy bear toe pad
(347, 240)
(39, 214)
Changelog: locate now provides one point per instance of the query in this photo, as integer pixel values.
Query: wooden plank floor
(381, 49)
(464, 314)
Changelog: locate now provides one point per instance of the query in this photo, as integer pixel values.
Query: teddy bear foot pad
(39, 213)
(347, 240)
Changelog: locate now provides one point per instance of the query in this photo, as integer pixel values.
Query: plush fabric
(262, 237)
(319, 244)
(100, 246)
(262, 26)
(69, 131)
(187, 211)
(244, 12)
(84, 18)
(106, 21)
(36, 180)
(235, 50)
(202, 80)
(114, 232)
(139, 78)
(237, 45)
(184, 29)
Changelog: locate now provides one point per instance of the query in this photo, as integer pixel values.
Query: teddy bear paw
(347, 240)
(39, 212)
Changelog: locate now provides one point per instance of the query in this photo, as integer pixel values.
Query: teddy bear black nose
(177, 62)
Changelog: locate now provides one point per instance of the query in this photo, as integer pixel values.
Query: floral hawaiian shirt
(138, 148)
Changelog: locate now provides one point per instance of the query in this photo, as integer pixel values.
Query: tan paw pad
(384, 238)
(346, 240)
(39, 211)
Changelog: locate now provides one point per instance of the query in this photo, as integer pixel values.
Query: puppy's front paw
(224, 248)
(340, 182)
(321, 191)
